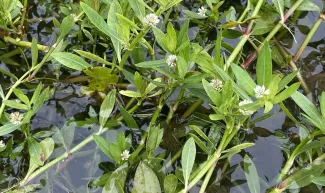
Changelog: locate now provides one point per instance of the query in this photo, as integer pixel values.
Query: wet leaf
(251, 175)
(116, 181)
(71, 61)
(47, 146)
(145, 180)
(106, 108)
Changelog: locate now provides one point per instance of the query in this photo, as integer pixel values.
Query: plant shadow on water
(75, 173)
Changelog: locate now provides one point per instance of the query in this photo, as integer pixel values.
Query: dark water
(67, 102)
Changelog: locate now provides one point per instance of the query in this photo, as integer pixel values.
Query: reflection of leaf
(100, 77)
(145, 180)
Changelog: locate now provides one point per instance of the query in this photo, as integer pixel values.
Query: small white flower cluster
(245, 112)
(217, 84)
(125, 155)
(261, 91)
(15, 118)
(171, 60)
(2, 145)
(202, 11)
(151, 19)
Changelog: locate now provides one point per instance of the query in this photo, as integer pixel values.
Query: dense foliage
(147, 73)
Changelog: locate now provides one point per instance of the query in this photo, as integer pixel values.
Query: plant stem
(292, 157)
(24, 43)
(174, 108)
(245, 37)
(294, 67)
(24, 11)
(158, 109)
(173, 159)
(192, 108)
(67, 154)
(309, 36)
(243, 15)
(272, 33)
(207, 178)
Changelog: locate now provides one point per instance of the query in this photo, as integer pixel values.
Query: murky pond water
(75, 174)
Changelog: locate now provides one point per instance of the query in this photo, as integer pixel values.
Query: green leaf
(128, 118)
(130, 93)
(183, 32)
(172, 38)
(138, 8)
(182, 66)
(279, 5)
(225, 77)
(310, 146)
(106, 108)
(287, 79)
(200, 143)
(103, 145)
(319, 180)
(151, 64)
(8, 128)
(15, 105)
(188, 159)
(239, 147)
(36, 93)
(116, 181)
(99, 22)
(34, 149)
(321, 99)
(306, 5)
(47, 146)
(2, 94)
(3, 71)
(67, 132)
(154, 138)
(34, 52)
(170, 183)
(304, 176)
(201, 133)
(308, 107)
(71, 60)
(264, 66)
(145, 180)
(19, 94)
(251, 175)
(213, 94)
(244, 79)
(93, 57)
(100, 77)
(127, 21)
(227, 91)
(286, 93)
(66, 26)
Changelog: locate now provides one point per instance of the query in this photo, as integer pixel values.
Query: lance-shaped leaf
(251, 175)
(264, 66)
(71, 60)
(188, 159)
(106, 108)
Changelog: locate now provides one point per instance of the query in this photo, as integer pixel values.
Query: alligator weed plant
(169, 102)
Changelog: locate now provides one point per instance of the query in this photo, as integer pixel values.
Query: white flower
(15, 118)
(2, 144)
(245, 112)
(217, 84)
(171, 60)
(151, 19)
(202, 11)
(261, 91)
(125, 155)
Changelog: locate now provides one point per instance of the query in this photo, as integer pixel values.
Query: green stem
(245, 37)
(158, 109)
(174, 108)
(272, 33)
(207, 178)
(243, 15)
(67, 154)
(173, 159)
(24, 43)
(292, 157)
(24, 11)
(192, 108)
(308, 37)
